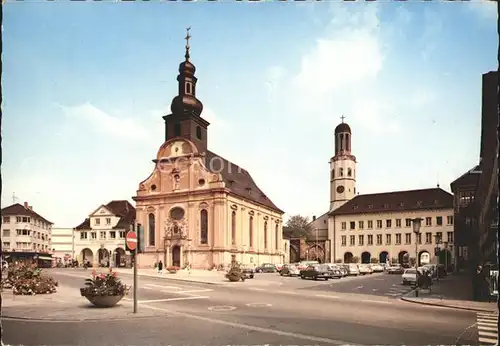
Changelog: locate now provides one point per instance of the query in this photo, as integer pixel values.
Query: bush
(27, 279)
(338, 261)
(235, 273)
(374, 260)
(355, 259)
(172, 269)
(104, 285)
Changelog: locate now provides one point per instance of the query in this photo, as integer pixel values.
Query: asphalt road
(240, 314)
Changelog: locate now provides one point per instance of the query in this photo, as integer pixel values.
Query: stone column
(167, 260)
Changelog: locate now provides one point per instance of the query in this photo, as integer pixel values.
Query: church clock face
(340, 189)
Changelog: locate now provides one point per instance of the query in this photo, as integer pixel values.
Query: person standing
(160, 267)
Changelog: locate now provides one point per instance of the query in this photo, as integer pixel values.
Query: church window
(233, 228)
(177, 213)
(276, 236)
(333, 174)
(189, 88)
(177, 130)
(250, 231)
(347, 143)
(341, 141)
(349, 172)
(203, 226)
(265, 235)
(151, 224)
(198, 132)
(354, 190)
(341, 172)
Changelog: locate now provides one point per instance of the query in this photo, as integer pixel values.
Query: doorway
(176, 256)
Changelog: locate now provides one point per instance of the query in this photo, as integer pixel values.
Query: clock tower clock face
(340, 189)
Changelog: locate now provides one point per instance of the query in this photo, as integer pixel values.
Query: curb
(56, 320)
(405, 299)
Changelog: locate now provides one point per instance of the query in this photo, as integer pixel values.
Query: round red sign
(131, 240)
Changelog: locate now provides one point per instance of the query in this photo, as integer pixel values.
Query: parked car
(279, 266)
(409, 276)
(316, 271)
(304, 264)
(365, 269)
(377, 268)
(352, 269)
(266, 268)
(248, 271)
(339, 272)
(289, 270)
(395, 269)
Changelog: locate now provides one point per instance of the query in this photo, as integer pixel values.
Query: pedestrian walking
(160, 267)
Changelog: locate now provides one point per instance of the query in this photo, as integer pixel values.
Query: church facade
(198, 208)
(378, 227)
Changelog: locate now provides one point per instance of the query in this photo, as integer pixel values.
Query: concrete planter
(103, 301)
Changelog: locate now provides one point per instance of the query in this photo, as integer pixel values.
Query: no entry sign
(131, 240)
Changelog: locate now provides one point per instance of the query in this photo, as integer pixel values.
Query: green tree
(299, 226)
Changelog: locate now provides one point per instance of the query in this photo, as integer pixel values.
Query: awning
(45, 258)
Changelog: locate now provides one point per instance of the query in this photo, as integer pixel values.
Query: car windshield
(411, 271)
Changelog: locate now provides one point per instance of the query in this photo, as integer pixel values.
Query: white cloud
(275, 75)
(487, 10)
(421, 98)
(104, 122)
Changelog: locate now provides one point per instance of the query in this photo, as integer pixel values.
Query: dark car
(289, 270)
(249, 272)
(266, 268)
(316, 271)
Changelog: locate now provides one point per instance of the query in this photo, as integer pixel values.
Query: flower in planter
(173, 269)
(27, 279)
(104, 285)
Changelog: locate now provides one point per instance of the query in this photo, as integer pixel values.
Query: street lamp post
(417, 222)
(445, 243)
(437, 253)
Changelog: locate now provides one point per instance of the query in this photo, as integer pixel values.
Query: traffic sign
(131, 240)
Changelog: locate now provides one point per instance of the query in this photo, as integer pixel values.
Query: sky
(85, 85)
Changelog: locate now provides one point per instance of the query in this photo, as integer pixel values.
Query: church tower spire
(185, 120)
(342, 167)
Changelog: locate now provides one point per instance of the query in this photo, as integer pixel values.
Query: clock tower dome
(342, 168)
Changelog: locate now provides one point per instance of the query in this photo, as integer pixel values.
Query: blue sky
(85, 86)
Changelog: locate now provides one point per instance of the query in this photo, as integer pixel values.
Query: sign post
(131, 240)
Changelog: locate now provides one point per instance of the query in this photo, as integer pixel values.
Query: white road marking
(171, 299)
(374, 290)
(164, 287)
(147, 288)
(494, 328)
(255, 328)
(376, 301)
(326, 296)
(357, 288)
(380, 279)
(257, 289)
(196, 291)
(222, 308)
(488, 341)
(258, 305)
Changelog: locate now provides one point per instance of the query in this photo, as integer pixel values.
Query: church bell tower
(342, 168)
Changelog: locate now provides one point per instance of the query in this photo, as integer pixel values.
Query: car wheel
(326, 279)
(281, 273)
(251, 276)
(302, 277)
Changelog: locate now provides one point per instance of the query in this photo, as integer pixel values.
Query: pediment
(102, 211)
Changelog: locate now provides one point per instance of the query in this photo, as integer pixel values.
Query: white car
(365, 269)
(377, 268)
(409, 276)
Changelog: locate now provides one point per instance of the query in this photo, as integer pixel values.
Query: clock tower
(342, 168)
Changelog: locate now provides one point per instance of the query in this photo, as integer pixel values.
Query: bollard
(416, 293)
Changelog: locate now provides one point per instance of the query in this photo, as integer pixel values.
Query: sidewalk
(66, 305)
(452, 292)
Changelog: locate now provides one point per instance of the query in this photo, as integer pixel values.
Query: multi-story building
(198, 207)
(25, 233)
(100, 238)
(63, 244)
(379, 226)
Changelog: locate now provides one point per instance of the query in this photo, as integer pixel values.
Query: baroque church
(378, 227)
(196, 207)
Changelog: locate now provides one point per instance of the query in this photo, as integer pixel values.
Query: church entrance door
(176, 256)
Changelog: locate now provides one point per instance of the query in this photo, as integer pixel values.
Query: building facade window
(352, 225)
(439, 236)
(343, 225)
(6, 219)
(265, 235)
(370, 224)
(108, 221)
(388, 239)
(151, 229)
(276, 236)
(428, 221)
(408, 222)
(250, 231)
(407, 238)
(112, 234)
(439, 220)
(361, 224)
(352, 240)
(398, 238)
(341, 172)
(379, 239)
(83, 235)
(419, 238)
(370, 239)
(349, 172)
(343, 241)
(97, 221)
(102, 235)
(450, 237)
(204, 226)
(388, 223)
(379, 223)
(398, 223)
(449, 220)
(233, 228)
(361, 240)
(198, 132)
(122, 234)
(428, 238)
(93, 235)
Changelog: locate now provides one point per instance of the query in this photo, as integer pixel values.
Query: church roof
(398, 201)
(120, 208)
(19, 210)
(238, 180)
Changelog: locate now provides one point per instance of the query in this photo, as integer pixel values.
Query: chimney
(26, 205)
(314, 217)
(30, 207)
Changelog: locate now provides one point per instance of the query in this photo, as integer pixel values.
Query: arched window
(198, 132)
(188, 88)
(333, 174)
(349, 172)
(233, 228)
(347, 143)
(341, 136)
(265, 235)
(276, 237)
(203, 226)
(341, 172)
(151, 224)
(250, 231)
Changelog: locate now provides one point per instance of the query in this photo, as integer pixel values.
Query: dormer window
(436, 202)
(355, 207)
(401, 204)
(419, 203)
(249, 190)
(370, 206)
